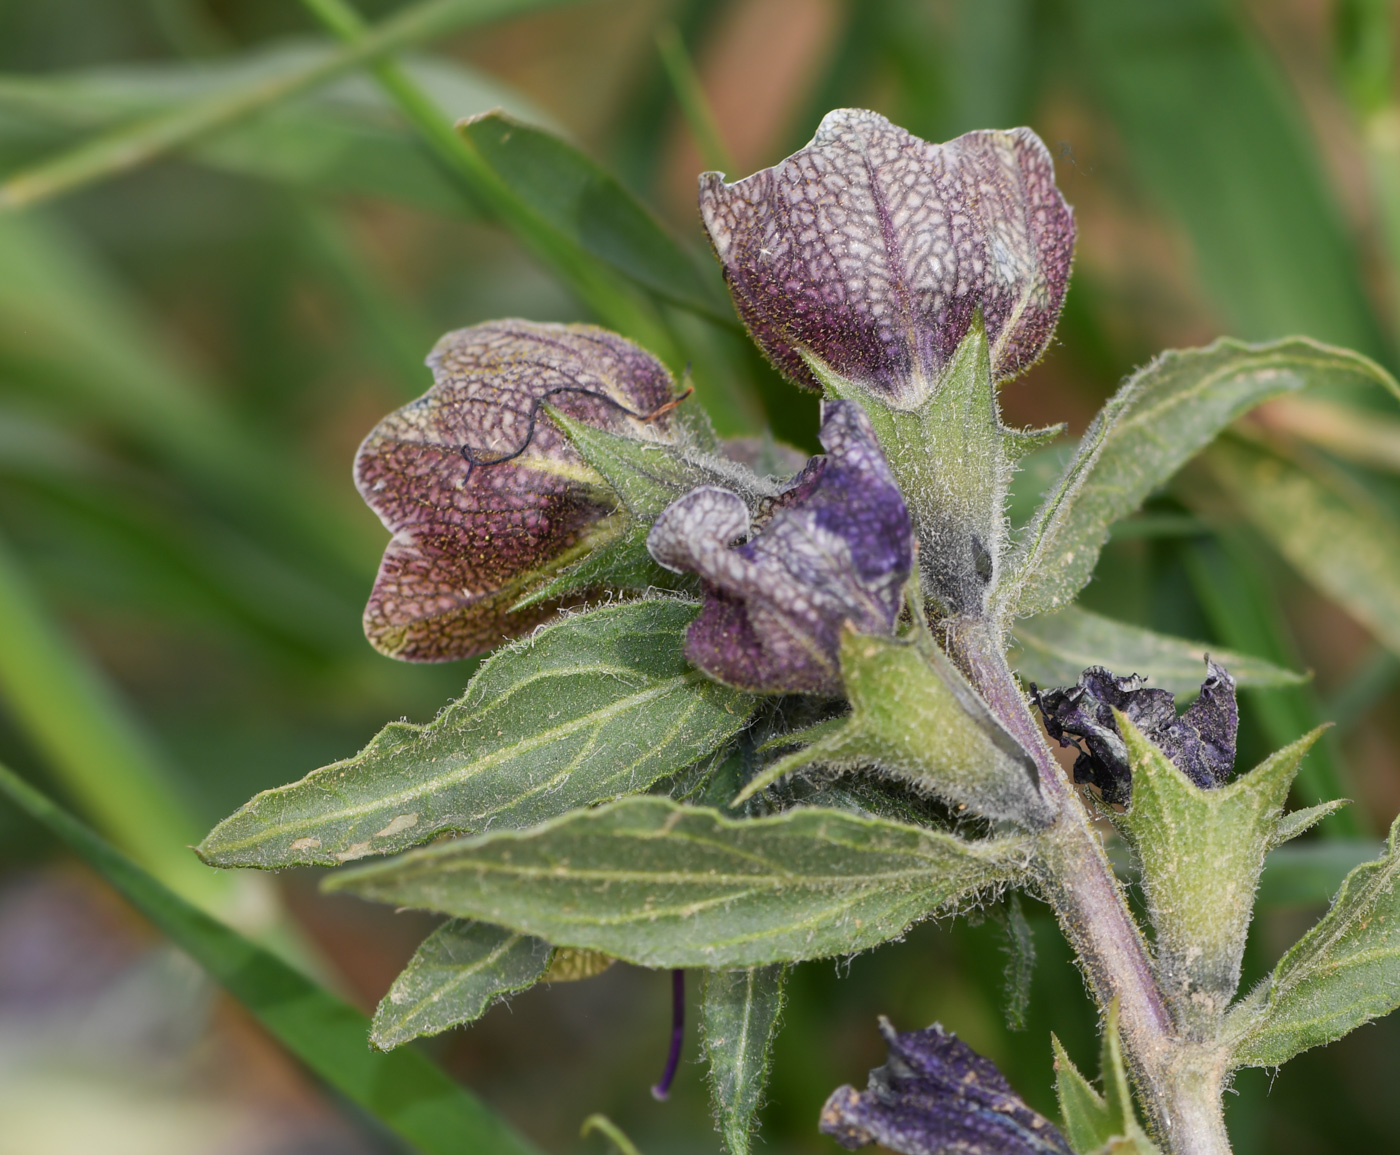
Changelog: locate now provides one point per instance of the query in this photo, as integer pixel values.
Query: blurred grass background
(194, 337)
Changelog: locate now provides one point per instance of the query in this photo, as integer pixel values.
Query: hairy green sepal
(915, 717)
(953, 460)
(1201, 853)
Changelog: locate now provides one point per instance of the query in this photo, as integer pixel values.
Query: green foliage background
(191, 348)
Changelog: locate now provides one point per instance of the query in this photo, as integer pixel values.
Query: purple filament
(662, 1090)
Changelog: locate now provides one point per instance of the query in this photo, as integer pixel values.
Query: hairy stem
(1182, 1102)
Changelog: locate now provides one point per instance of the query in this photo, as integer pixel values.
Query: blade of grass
(403, 1089)
(129, 147)
(80, 343)
(74, 718)
(694, 105)
(611, 297)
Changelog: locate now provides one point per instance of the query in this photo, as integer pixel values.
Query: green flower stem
(1179, 1086)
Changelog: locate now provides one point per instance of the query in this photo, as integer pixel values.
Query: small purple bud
(1201, 743)
(662, 1090)
(872, 250)
(935, 1094)
(835, 547)
(482, 493)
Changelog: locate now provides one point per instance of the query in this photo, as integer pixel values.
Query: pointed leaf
(1341, 974)
(1053, 649)
(1201, 853)
(665, 885)
(739, 1020)
(1301, 821)
(1089, 1123)
(406, 1091)
(1335, 534)
(590, 708)
(1159, 419)
(454, 977)
(914, 716)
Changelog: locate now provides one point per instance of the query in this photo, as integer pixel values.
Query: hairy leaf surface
(593, 707)
(739, 1020)
(454, 977)
(665, 885)
(1159, 419)
(1341, 974)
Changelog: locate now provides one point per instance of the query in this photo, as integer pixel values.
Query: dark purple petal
(873, 249)
(836, 547)
(1201, 742)
(935, 1094)
(481, 491)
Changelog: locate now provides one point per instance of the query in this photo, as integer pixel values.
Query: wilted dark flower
(872, 250)
(1201, 742)
(484, 496)
(935, 1094)
(837, 547)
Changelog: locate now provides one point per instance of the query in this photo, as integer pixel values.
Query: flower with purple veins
(1200, 743)
(480, 490)
(872, 250)
(836, 548)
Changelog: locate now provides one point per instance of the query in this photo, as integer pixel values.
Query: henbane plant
(744, 711)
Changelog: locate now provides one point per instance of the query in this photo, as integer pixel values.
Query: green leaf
(1336, 535)
(584, 202)
(1341, 974)
(454, 977)
(1100, 1124)
(1201, 853)
(1088, 1122)
(1159, 419)
(665, 885)
(739, 1020)
(1216, 137)
(914, 716)
(593, 707)
(1020, 963)
(405, 1091)
(1053, 649)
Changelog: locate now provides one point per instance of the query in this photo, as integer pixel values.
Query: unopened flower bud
(835, 548)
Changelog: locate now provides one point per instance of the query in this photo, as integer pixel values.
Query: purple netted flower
(872, 250)
(482, 493)
(835, 547)
(1201, 743)
(935, 1094)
